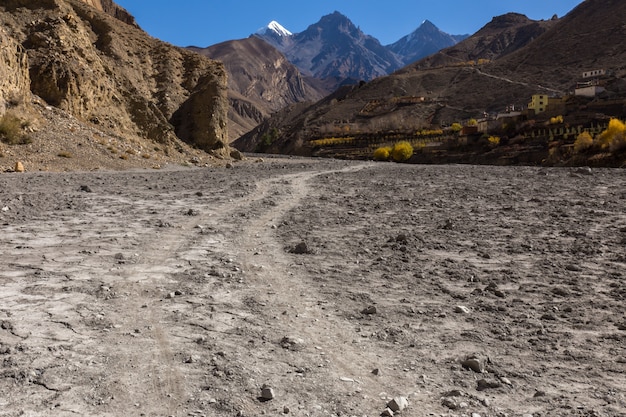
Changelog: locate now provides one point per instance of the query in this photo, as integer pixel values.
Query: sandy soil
(470, 291)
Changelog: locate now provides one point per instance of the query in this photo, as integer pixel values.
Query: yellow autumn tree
(614, 137)
(382, 153)
(402, 151)
(583, 142)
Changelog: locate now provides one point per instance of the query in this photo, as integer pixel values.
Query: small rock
(170, 295)
(369, 310)
(301, 249)
(506, 381)
(584, 171)
(474, 363)
(5, 209)
(449, 403)
(398, 404)
(484, 384)
(19, 167)
(85, 189)
(461, 309)
(376, 372)
(387, 413)
(267, 393)
(236, 155)
(292, 343)
(286, 410)
(476, 415)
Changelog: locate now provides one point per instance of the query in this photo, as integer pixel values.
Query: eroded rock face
(113, 74)
(14, 78)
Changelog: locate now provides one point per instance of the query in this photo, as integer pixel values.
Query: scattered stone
(286, 410)
(474, 363)
(292, 343)
(191, 212)
(170, 295)
(369, 310)
(476, 415)
(539, 393)
(301, 249)
(506, 381)
(484, 384)
(398, 404)
(387, 413)
(584, 171)
(267, 393)
(449, 403)
(19, 167)
(461, 309)
(376, 372)
(236, 155)
(85, 189)
(5, 209)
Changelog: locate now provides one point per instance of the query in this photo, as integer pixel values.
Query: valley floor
(337, 284)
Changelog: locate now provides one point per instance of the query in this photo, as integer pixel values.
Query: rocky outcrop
(107, 6)
(260, 82)
(14, 79)
(115, 76)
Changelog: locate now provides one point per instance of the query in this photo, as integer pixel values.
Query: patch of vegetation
(12, 130)
(494, 140)
(556, 120)
(402, 151)
(268, 139)
(614, 137)
(383, 153)
(456, 127)
(583, 142)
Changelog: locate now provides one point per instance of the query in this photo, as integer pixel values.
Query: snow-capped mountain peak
(276, 28)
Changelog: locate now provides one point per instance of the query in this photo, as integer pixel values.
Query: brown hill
(108, 76)
(503, 35)
(438, 91)
(261, 81)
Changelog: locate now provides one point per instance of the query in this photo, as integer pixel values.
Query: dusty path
(178, 292)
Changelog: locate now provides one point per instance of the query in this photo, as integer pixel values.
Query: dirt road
(468, 290)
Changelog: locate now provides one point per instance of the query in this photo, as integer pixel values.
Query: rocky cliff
(14, 78)
(105, 71)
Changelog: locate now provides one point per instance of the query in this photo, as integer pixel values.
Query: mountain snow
(276, 28)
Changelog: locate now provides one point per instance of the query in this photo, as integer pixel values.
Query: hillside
(261, 81)
(483, 74)
(136, 93)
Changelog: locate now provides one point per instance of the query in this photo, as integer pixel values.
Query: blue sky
(207, 22)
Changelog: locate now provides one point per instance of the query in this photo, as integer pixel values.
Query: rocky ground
(313, 288)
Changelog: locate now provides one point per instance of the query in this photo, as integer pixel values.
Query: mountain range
(336, 47)
(505, 63)
(274, 68)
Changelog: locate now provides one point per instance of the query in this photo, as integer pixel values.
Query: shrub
(556, 120)
(402, 151)
(456, 127)
(494, 140)
(472, 122)
(382, 153)
(583, 142)
(614, 137)
(11, 130)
